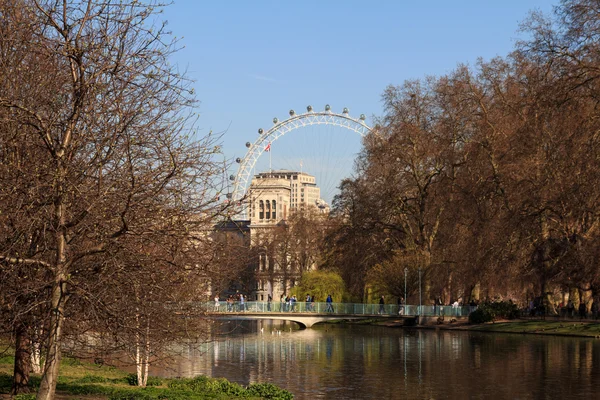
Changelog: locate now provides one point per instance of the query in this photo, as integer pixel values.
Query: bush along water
(198, 388)
(220, 387)
(491, 310)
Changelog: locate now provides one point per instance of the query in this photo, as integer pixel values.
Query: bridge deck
(308, 314)
(321, 308)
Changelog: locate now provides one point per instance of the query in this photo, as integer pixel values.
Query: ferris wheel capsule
(327, 107)
(238, 160)
(292, 113)
(275, 120)
(362, 117)
(260, 131)
(345, 110)
(232, 177)
(248, 144)
(309, 108)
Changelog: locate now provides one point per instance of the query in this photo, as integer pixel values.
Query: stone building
(272, 197)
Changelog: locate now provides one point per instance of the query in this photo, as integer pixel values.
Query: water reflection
(362, 362)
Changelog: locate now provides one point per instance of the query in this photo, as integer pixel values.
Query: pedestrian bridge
(308, 314)
(305, 320)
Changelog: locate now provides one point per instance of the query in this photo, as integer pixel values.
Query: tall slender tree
(102, 122)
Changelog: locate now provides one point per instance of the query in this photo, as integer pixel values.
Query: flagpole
(270, 170)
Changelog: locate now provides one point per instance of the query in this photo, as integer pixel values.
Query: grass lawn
(79, 380)
(542, 327)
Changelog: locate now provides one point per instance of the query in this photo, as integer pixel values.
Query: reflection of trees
(371, 362)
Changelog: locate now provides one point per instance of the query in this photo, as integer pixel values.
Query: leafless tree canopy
(486, 178)
(105, 186)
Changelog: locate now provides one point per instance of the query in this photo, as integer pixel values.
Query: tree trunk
(475, 293)
(147, 352)
(585, 296)
(22, 361)
(36, 351)
(574, 296)
(548, 300)
(142, 356)
(59, 291)
(50, 374)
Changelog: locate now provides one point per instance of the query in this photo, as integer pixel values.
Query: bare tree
(105, 125)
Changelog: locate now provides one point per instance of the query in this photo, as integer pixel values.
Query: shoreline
(565, 328)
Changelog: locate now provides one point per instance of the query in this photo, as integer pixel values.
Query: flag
(268, 148)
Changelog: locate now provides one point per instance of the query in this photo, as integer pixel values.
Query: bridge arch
(296, 121)
(304, 320)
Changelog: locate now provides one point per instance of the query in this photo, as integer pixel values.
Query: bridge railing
(335, 308)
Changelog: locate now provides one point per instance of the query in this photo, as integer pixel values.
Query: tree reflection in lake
(367, 362)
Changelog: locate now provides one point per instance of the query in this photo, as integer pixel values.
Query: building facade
(272, 197)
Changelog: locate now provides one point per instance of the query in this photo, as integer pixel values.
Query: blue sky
(255, 60)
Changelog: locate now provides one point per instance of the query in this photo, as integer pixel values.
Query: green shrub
(84, 389)
(7, 360)
(480, 316)
(196, 384)
(203, 384)
(5, 383)
(489, 311)
(25, 396)
(132, 379)
(131, 395)
(268, 391)
(92, 379)
(151, 381)
(154, 381)
(70, 361)
(223, 386)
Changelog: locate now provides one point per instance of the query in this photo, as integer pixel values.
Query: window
(261, 210)
(268, 213)
(274, 209)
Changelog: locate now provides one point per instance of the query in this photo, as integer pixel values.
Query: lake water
(370, 362)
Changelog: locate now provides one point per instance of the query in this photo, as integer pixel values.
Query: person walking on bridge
(308, 304)
(293, 301)
(381, 305)
(216, 303)
(329, 301)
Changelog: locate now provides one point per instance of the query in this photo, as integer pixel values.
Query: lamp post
(405, 274)
(419, 313)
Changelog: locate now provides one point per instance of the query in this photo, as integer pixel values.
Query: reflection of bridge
(308, 314)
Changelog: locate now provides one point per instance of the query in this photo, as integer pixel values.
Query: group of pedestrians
(568, 310)
(290, 303)
(233, 303)
(287, 303)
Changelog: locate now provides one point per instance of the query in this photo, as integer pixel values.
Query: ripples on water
(368, 362)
